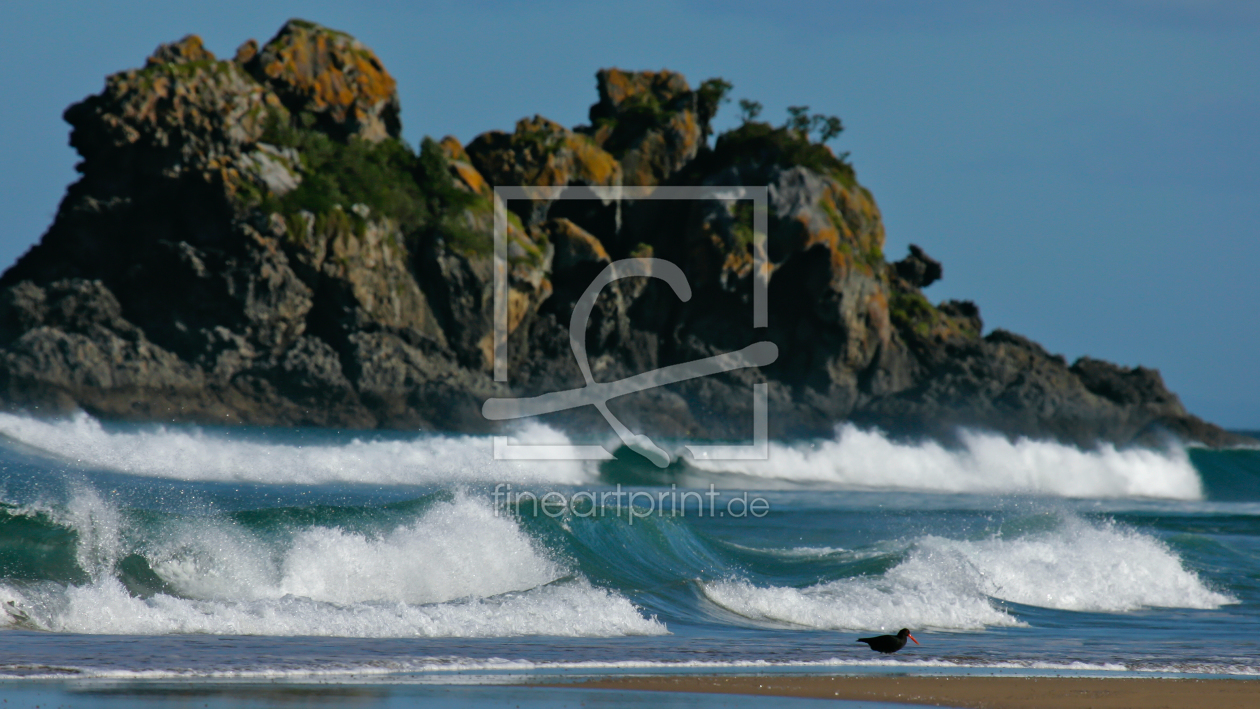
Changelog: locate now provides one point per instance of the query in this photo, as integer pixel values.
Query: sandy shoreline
(987, 692)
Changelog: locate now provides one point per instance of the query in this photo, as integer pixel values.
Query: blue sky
(1088, 172)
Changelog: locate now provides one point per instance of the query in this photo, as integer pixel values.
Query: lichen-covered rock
(649, 120)
(461, 169)
(541, 153)
(203, 311)
(329, 76)
(612, 341)
(574, 246)
(187, 50)
(827, 293)
(184, 115)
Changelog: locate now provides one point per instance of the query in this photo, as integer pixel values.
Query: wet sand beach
(986, 692)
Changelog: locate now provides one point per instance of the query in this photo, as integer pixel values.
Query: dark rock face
(251, 243)
(918, 269)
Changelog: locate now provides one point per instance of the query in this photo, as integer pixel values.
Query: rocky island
(251, 242)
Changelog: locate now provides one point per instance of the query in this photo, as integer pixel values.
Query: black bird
(888, 644)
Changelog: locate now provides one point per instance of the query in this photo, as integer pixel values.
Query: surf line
(598, 394)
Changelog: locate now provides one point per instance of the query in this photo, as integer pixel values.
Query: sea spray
(954, 584)
(456, 569)
(572, 609)
(456, 550)
(985, 463)
(1079, 566)
(853, 459)
(191, 453)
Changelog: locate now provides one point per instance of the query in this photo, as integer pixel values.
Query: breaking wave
(193, 454)
(986, 463)
(957, 584)
(456, 570)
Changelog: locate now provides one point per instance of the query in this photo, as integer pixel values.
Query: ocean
(170, 555)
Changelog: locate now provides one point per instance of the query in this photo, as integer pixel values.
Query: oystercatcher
(888, 644)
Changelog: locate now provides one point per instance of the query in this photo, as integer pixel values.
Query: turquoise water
(172, 554)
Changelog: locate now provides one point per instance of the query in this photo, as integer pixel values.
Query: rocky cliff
(252, 242)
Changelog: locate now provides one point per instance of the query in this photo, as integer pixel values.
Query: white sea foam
(192, 454)
(985, 463)
(949, 584)
(898, 598)
(463, 670)
(458, 570)
(572, 608)
(1079, 566)
(455, 550)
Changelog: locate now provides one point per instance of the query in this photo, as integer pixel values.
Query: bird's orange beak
(916, 642)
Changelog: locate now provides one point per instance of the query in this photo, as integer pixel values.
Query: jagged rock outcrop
(327, 78)
(541, 153)
(650, 121)
(461, 169)
(918, 269)
(251, 242)
(233, 304)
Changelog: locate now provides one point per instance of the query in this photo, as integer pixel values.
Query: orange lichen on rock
(544, 153)
(461, 168)
(452, 149)
(247, 51)
(332, 76)
(196, 113)
(573, 244)
(648, 120)
(188, 49)
(616, 85)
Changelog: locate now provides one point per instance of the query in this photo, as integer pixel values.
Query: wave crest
(953, 584)
(193, 454)
(458, 570)
(985, 463)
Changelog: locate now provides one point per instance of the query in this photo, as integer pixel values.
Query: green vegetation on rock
(170, 294)
(742, 226)
(636, 115)
(415, 190)
(380, 175)
(799, 120)
(761, 142)
(911, 311)
(710, 96)
(461, 219)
